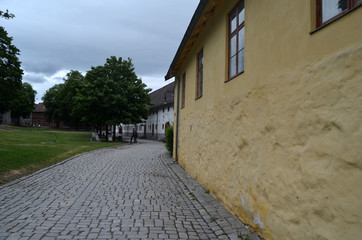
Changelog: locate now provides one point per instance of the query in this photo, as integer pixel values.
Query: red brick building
(38, 116)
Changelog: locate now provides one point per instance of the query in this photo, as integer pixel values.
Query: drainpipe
(177, 117)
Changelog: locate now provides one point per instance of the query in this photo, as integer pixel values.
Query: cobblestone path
(130, 192)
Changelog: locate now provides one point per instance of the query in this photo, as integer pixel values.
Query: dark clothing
(134, 136)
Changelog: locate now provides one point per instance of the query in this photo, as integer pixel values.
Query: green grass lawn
(30, 149)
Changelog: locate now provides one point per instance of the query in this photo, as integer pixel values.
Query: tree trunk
(57, 123)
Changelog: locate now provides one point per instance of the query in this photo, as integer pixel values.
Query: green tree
(73, 83)
(130, 90)
(89, 100)
(53, 103)
(23, 102)
(10, 70)
(59, 100)
(111, 94)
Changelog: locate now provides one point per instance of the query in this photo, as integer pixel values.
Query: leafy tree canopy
(113, 93)
(108, 94)
(23, 101)
(6, 14)
(53, 102)
(10, 70)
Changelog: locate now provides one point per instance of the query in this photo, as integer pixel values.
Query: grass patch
(213, 219)
(244, 237)
(30, 149)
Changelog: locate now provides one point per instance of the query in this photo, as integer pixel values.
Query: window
(183, 83)
(163, 126)
(168, 109)
(200, 66)
(329, 10)
(236, 40)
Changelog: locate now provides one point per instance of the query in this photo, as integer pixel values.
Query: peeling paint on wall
(257, 221)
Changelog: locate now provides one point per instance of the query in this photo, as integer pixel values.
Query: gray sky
(56, 36)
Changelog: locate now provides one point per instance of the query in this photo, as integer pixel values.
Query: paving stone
(128, 192)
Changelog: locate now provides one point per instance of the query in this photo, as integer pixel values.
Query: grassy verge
(30, 149)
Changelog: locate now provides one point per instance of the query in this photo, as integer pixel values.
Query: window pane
(199, 85)
(232, 66)
(241, 39)
(233, 21)
(241, 16)
(201, 59)
(331, 8)
(241, 61)
(233, 46)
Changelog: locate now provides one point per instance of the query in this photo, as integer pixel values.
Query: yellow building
(268, 113)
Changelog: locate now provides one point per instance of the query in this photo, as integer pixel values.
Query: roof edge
(195, 18)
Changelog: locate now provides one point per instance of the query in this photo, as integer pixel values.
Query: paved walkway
(130, 192)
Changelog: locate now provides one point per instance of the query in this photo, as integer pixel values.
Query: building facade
(268, 109)
(161, 115)
(38, 116)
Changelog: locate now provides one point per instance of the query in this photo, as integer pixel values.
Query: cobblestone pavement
(129, 192)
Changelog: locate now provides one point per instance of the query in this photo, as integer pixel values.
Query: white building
(161, 115)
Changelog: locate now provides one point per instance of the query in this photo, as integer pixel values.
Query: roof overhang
(204, 11)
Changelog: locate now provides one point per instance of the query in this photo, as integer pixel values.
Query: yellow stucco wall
(281, 144)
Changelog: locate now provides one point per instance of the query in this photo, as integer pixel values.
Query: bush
(169, 138)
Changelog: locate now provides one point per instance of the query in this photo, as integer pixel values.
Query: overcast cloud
(55, 37)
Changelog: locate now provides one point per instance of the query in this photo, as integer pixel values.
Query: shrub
(169, 138)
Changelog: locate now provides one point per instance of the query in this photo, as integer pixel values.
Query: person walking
(134, 136)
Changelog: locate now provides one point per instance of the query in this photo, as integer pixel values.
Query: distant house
(40, 119)
(161, 112)
(268, 103)
(38, 116)
(161, 115)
